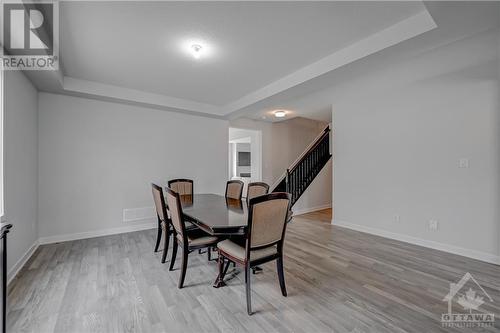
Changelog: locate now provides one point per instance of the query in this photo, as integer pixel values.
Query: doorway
(245, 155)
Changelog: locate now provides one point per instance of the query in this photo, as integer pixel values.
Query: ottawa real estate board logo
(30, 35)
(469, 299)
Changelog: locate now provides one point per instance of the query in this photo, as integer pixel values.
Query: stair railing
(305, 168)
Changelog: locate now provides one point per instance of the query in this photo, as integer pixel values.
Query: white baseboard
(21, 262)
(96, 233)
(310, 209)
(474, 254)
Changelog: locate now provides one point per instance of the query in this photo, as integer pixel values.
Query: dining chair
(163, 220)
(181, 186)
(234, 189)
(267, 216)
(256, 189)
(189, 240)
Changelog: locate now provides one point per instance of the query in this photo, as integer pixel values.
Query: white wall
(20, 166)
(282, 143)
(98, 158)
(399, 135)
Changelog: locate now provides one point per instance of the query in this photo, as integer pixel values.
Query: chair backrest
(234, 189)
(267, 219)
(161, 208)
(256, 189)
(181, 186)
(175, 209)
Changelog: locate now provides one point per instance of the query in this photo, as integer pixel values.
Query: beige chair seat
(197, 237)
(238, 251)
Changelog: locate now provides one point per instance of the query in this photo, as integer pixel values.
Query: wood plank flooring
(338, 280)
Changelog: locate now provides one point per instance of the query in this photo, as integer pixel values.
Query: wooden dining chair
(188, 239)
(163, 220)
(181, 186)
(256, 189)
(234, 189)
(264, 240)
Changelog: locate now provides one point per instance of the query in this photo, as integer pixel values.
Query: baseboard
(96, 233)
(310, 209)
(474, 254)
(12, 273)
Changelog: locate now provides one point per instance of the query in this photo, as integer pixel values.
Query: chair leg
(185, 253)
(281, 275)
(174, 253)
(209, 254)
(165, 246)
(219, 282)
(158, 237)
(248, 290)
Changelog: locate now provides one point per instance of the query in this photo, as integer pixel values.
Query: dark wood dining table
(216, 214)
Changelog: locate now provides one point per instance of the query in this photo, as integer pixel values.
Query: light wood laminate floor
(337, 279)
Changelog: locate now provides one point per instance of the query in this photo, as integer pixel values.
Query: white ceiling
(455, 21)
(131, 52)
(140, 46)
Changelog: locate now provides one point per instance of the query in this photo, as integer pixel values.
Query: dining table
(218, 216)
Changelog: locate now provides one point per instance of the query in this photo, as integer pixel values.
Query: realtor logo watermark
(30, 35)
(470, 296)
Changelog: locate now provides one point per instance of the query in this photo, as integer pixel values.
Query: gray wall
(21, 162)
(98, 158)
(398, 143)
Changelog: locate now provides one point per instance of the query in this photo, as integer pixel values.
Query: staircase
(302, 172)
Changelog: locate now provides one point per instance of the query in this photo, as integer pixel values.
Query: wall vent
(138, 214)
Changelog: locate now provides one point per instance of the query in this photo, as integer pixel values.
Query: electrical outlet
(463, 163)
(433, 225)
(397, 218)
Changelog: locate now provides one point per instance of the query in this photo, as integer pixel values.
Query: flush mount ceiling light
(196, 50)
(280, 113)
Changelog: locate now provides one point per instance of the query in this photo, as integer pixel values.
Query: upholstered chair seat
(197, 237)
(238, 252)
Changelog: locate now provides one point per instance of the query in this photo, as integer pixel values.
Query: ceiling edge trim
(85, 87)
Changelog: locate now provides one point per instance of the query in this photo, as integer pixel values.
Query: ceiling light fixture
(196, 50)
(279, 114)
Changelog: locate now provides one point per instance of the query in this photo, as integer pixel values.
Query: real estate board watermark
(30, 35)
(467, 295)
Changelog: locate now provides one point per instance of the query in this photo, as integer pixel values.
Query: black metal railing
(303, 171)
